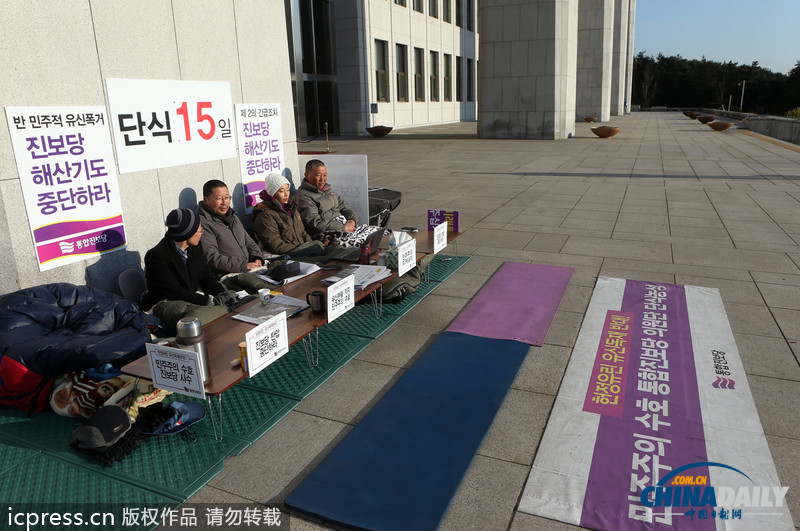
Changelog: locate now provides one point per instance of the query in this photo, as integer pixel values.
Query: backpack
(397, 289)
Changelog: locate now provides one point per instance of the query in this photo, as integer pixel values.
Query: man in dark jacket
(225, 242)
(176, 271)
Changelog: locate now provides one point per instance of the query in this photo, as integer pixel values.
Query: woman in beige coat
(277, 222)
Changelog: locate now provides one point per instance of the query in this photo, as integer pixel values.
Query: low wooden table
(224, 334)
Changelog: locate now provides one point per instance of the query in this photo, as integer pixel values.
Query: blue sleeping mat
(401, 465)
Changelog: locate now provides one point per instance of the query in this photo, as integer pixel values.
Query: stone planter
(720, 126)
(606, 131)
(379, 130)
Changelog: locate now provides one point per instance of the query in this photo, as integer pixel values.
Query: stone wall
(60, 52)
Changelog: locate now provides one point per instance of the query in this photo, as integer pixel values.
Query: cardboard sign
(258, 126)
(175, 370)
(161, 123)
(406, 257)
(341, 297)
(438, 216)
(69, 182)
(439, 237)
(266, 343)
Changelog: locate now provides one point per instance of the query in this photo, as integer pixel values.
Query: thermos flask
(191, 337)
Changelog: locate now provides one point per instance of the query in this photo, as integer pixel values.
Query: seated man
(320, 208)
(225, 242)
(176, 271)
(277, 222)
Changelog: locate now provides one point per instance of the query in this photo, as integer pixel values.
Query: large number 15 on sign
(201, 117)
(147, 115)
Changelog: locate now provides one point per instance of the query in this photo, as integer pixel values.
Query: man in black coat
(179, 280)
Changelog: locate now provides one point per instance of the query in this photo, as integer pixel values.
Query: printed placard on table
(438, 216)
(439, 237)
(266, 343)
(260, 146)
(406, 256)
(175, 370)
(341, 297)
(69, 182)
(161, 123)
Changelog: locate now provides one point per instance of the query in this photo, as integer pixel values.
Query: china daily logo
(678, 489)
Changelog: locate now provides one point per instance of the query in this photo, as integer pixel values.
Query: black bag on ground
(397, 289)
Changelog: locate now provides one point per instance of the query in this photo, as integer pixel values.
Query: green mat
(306, 366)
(247, 414)
(47, 484)
(36, 431)
(444, 265)
(41, 471)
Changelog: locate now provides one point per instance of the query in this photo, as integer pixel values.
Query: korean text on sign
(69, 182)
(161, 123)
(606, 392)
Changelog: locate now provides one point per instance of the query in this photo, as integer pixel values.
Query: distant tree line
(678, 82)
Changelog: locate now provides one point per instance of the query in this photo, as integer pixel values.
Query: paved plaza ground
(667, 200)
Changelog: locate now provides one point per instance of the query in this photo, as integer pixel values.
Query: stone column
(629, 76)
(527, 70)
(620, 57)
(595, 48)
(352, 66)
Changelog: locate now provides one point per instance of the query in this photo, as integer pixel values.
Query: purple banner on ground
(661, 428)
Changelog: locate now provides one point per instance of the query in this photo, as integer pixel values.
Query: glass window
(434, 70)
(433, 8)
(459, 76)
(400, 2)
(381, 81)
(447, 10)
(402, 72)
(459, 12)
(419, 74)
(447, 70)
(418, 5)
(470, 15)
(470, 80)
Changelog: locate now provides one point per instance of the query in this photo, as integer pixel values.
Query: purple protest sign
(436, 217)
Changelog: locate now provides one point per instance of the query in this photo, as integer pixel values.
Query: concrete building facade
(547, 62)
(397, 63)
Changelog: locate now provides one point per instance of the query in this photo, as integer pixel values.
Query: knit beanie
(181, 224)
(273, 183)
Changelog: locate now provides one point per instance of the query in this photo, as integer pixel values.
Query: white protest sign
(341, 297)
(161, 123)
(406, 256)
(175, 370)
(258, 127)
(266, 343)
(439, 237)
(347, 176)
(69, 182)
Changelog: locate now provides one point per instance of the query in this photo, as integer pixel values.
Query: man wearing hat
(179, 281)
(277, 222)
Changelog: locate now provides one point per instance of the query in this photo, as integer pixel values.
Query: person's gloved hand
(226, 298)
